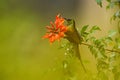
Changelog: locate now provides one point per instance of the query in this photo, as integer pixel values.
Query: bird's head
(69, 22)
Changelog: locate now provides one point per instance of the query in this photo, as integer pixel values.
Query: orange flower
(56, 30)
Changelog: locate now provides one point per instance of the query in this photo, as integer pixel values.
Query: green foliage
(116, 15)
(112, 33)
(106, 50)
(102, 76)
(99, 48)
(99, 2)
(83, 31)
(84, 28)
(110, 5)
(94, 28)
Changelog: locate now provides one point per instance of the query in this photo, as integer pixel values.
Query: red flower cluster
(56, 30)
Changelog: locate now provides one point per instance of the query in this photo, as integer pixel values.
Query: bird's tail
(77, 54)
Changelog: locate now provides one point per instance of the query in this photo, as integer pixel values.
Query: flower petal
(61, 34)
(57, 37)
(56, 30)
(52, 39)
(46, 36)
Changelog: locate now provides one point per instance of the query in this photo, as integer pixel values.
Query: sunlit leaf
(84, 28)
(109, 39)
(94, 28)
(93, 51)
(111, 33)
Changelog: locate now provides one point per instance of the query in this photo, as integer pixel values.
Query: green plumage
(74, 37)
(72, 34)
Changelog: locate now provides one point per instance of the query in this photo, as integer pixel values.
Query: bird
(74, 38)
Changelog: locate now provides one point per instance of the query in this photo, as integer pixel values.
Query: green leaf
(97, 42)
(99, 2)
(117, 14)
(84, 28)
(93, 51)
(83, 31)
(102, 64)
(111, 33)
(109, 39)
(111, 5)
(84, 34)
(94, 28)
(112, 58)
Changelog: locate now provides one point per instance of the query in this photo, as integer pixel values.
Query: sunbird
(74, 38)
(58, 30)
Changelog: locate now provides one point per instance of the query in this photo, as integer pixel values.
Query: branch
(105, 49)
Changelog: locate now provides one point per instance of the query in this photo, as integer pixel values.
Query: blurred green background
(24, 55)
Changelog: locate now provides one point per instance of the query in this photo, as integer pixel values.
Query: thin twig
(105, 49)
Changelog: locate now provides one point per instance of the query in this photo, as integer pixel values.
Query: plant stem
(105, 49)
